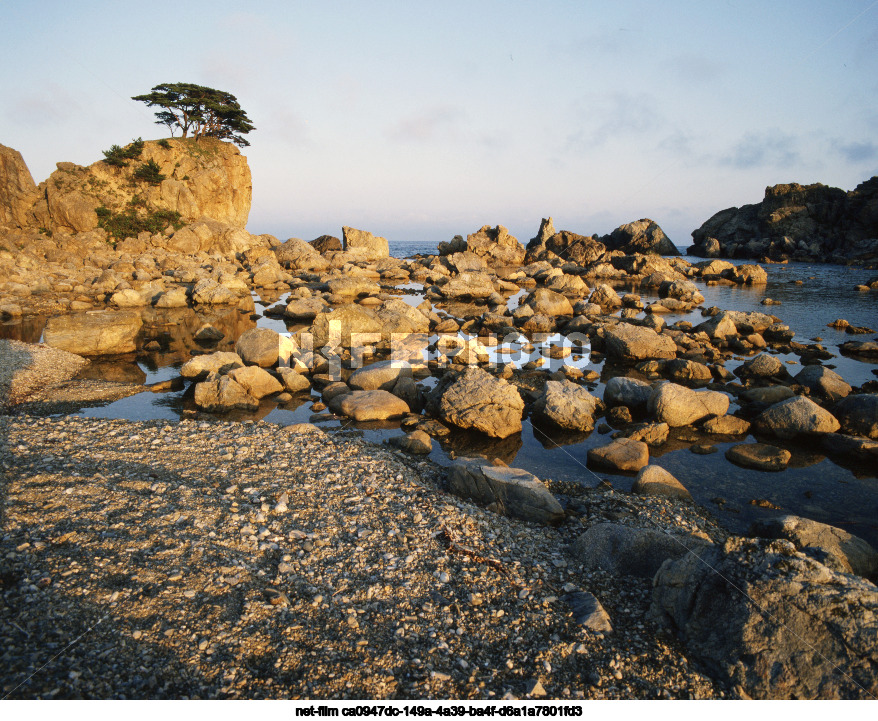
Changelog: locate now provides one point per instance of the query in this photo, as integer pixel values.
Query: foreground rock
(631, 551)
(476, 399)
(374, 405)
(98, 332)
(759, 456)
(795, 417)
(834, 547)
(567, 405)
(222, 395)
(623, 454)
(656, 481)
(773, 622)
(510, 491)
(628, 343)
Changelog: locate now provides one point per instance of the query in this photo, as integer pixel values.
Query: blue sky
(419, 120)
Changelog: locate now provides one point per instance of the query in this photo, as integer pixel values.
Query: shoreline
(201, 570)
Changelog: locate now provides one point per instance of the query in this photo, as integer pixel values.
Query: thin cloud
(44, 106)
(613, 115)
(770, 148)
(427, 126)
(856, 152)
(694, 68)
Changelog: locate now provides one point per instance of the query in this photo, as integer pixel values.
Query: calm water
(813, 486)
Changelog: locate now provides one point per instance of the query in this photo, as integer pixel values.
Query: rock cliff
(204, 179)
(797, 222)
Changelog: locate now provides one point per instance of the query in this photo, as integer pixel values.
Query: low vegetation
(130, 223)
(119, 157)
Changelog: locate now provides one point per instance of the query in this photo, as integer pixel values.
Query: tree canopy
(200, 110)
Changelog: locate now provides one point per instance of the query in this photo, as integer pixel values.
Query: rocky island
(205, 557)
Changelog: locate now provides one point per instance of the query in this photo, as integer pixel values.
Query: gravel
(217, 560)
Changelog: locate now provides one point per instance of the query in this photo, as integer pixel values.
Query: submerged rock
(760, 456)
(623, 454)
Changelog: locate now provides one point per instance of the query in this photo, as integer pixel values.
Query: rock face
(567, 405)
(475, 399)
(631, 551)
(515, 491)
(770, 620)
(204, 179)
(834, 547)
(796, 416)
(641, 236)
(576, 248)
(859, 414)
(679, 406)
(496, 246)
(98, 332)
(630, 343)
(364, 245)
(17, 189)
(797, 222)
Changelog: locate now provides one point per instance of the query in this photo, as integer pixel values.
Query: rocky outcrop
(363, 245)
(773, 622)
(641, 236)
(17, 189)
(797, 222)
(496, 246)
(204, 179)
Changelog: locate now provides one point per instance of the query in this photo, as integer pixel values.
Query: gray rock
(623, 454)
(631, 551)
(515, 491)
(796, 416)
(293, 381)
(416, 442)
(630, 343)
(679, 406)
(631, 392)
(475, 399)
(726, 425)
(257, 382)
(588, 612)
(834, 547)
(858, 414)
(763, 366)
(760, 456)
(824, 382)
(568, 405)
(771, 621)
(767, 396)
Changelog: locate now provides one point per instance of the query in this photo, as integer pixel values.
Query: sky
(422, 120)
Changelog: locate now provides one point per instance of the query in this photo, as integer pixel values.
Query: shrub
(131, 224)
(165, 144)
(149, 172)
(119, 156)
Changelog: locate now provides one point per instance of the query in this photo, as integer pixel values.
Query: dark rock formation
(797, 222)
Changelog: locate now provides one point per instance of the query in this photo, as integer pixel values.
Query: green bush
(130, 223)
(119, 157)
(165, 144)
(149, 172)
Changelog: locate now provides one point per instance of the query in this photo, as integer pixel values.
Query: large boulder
(475, 399)
(631, 392)
(628, 343)
(468, 285)
(514, 491)
(678, 406)
(568, 405)
(364, 245)
(17, 189)
(382, 375)
(345, 326)
(835, 547)
(858, 414)
(256, 381)
(772, 622)
(296, 254)
(641, 236)
(622, 454)
(259, 346)
(374, 405)
(656, 481)
(631, 551)
(496, 246)
(223, 394)
(824, 382)
(201, 366)
(549, 303)
(96, 332)
(794, 417)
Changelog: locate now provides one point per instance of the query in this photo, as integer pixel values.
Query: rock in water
(772, 621)
(796, 416)
(760, 456)
(364, 244)
(630, 343)
(656, 481)
(623, 454)
(679, 406)
(223, 394)
(517, 492)
(475, 399)
(568, 405)
(858, 414)
(369, 405)
(98, 332)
